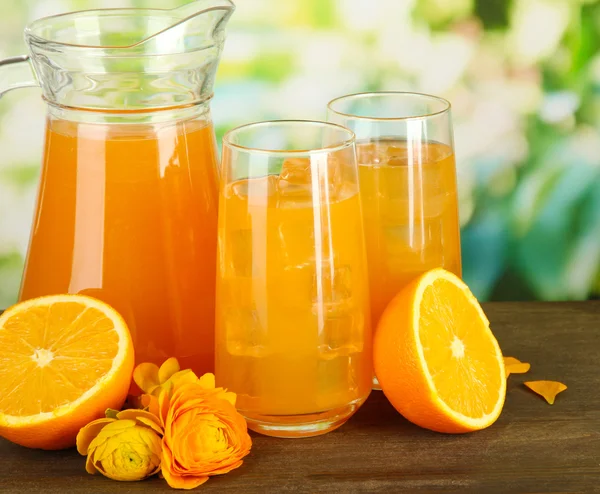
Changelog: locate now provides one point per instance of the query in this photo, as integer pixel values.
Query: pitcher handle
(16, 72)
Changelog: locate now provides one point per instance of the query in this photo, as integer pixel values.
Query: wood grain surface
(534, 447)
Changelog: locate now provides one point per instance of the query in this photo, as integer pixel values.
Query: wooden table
(534, 447)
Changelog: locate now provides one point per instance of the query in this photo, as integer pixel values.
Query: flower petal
(227, 468)
(152, 424)
(207, 381)
(167, 369)
(182, 481)
(547, 389)
(227, 396)
(146, 376)
(89, 465)
(164, 402)
(510, 361)
(107, 440)
(515, 366)
(87, 434)
(180, 378)
(150, 404)
(143, 416)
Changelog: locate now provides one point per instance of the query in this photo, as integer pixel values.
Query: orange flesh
(454, 345)
(53, 354)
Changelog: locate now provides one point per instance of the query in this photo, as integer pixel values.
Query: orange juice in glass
(292, 325)
(407, 178)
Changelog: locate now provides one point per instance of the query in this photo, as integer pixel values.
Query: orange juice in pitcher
(127, 204)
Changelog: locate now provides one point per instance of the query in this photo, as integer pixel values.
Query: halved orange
(436, 358)
(64, 359)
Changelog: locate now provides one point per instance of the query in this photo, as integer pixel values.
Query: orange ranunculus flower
(204, 434)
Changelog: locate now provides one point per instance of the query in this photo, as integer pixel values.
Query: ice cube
(341, 335)
(257, 191)
(295, 183)
(296, 241)
(298, 186)
(237, 291)
(410, 193)
(414, 153)
(298, 279)
(397, 155)
(238, 253)
(372, 153)
(413, 237)
(339, 315)
(245, 334)
(331, 287)
(295, 178)
(414, 247)
(333, 369)
(333, 177)
(300, 242)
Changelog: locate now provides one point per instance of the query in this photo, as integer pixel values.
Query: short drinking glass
(293, 332)
(408, 186)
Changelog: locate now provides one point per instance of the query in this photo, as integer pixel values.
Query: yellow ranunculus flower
(127, 447)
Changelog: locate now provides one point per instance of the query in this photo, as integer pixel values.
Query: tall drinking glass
(293, 332)
(408, 189)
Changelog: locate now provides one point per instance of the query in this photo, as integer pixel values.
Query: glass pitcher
(127, 203)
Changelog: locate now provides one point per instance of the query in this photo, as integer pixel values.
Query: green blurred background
(523, 77)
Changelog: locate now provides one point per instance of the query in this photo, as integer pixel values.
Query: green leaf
(583, 264)
(583, 37)
(484, 243)
(439, 14)
(494, 14)
(532, 195)
(546, 253)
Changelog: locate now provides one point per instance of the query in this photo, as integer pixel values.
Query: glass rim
(30, 29)
(349, 141)
(447, 106)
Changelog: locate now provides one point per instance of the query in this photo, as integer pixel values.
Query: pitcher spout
(197, 25)
(129, 59)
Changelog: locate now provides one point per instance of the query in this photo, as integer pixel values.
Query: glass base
(306, 425)
(376, 385)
